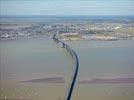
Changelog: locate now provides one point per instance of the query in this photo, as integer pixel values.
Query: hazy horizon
(66, 7)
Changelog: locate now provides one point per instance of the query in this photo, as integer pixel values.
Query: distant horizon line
(61, 15)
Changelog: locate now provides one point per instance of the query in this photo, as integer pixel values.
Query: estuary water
(105, 60)
(23, 61)
(27, 60)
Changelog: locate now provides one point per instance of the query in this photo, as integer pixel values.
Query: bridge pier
(63, 45)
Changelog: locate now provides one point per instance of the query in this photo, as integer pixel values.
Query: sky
(67, 7)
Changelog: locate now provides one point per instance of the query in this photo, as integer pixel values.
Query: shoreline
(46, 38)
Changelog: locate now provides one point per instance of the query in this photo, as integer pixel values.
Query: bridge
(76, 65)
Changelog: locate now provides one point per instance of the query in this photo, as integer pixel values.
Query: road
(76, 65)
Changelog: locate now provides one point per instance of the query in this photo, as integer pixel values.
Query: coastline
(46, 38)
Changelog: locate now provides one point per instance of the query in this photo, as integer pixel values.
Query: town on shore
(82, 29)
